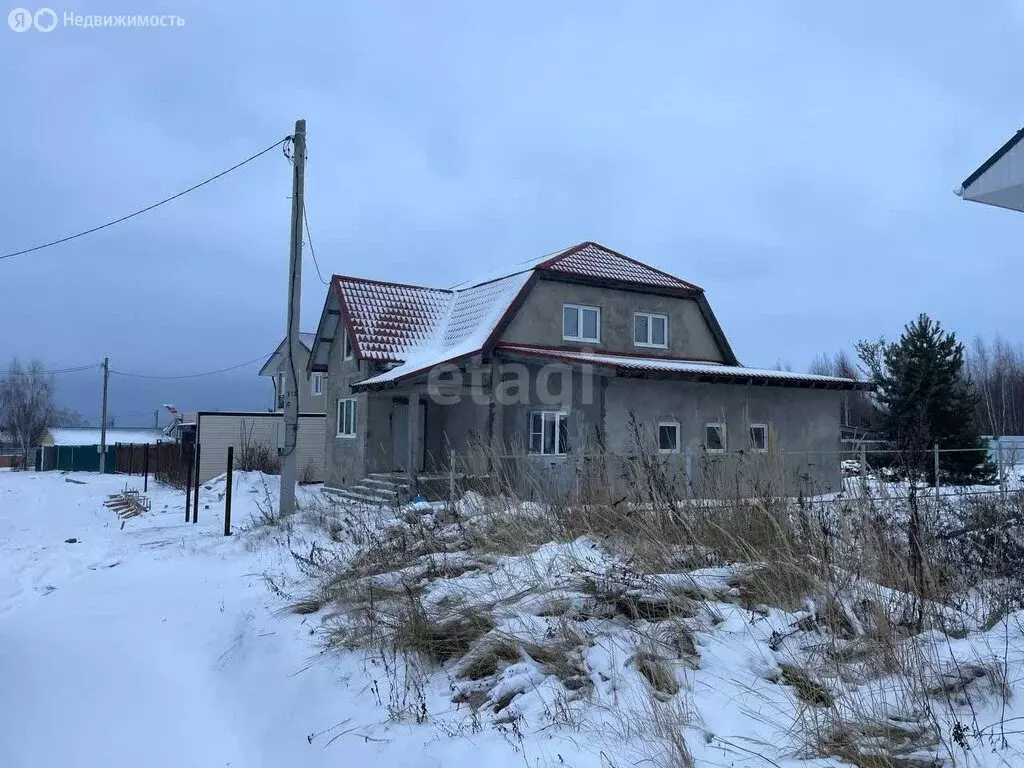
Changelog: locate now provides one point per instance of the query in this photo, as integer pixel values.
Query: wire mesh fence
(859, 471)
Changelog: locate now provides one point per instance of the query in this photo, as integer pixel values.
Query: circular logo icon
(45, 19)
(20, 19)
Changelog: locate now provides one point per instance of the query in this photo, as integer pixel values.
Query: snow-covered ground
(162, 643)
(159, 644)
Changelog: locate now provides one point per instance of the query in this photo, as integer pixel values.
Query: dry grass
(841, 565)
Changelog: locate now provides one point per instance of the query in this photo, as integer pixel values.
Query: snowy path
(160, 645)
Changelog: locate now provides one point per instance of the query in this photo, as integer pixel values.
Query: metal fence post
(145, 468)
(188, 490)
(936, 450)
(864, 470)
(451, 478)
(195, 499)
(227, 491)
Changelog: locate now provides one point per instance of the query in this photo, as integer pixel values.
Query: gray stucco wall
(308, 403)
(539, 320)
(803, 428)
(346, 457)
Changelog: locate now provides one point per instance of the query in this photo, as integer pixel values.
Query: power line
(147, 208)
(52, 371)
(192, 375)
(309, 240)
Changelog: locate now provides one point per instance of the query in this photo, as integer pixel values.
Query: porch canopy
(999, 181)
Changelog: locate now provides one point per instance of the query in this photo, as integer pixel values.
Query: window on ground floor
(759, 437)
(549, 432)
(346, 417)
(668, 437)
(714, 437)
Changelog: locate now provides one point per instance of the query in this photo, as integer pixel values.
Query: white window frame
(347, 353)
(675, 426)
(278, 390)
(316, 384)
(341, 423)
(650, 330)
(557, 417)
(720, 425)
(750, 429)
(579, 308)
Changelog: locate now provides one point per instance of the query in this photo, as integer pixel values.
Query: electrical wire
(53, 371)
(147, 208)
(309, 242)
(190, 375)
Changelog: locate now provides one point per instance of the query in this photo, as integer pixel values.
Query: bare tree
(857, 409)
(996, 372)
(26, 405)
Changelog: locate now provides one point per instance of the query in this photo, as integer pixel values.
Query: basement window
(668, 437)
(714, 437)
(650, 330)
(316, 384)
(759, 438)
(549, 433)
(346, 417)
(581, 323)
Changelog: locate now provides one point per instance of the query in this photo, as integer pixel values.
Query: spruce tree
(925, 398)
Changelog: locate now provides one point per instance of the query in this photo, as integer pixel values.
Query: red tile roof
(421, 327)
(596, 261)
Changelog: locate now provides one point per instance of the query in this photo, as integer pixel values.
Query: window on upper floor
(316, 384)
(346, 346)
(650, 330)
(581, 323)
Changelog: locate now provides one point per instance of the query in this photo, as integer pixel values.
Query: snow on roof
(419, 327)
(307, 340)
(390, 321)
(91, 435)
(596, 261)
(686, 368)
(473, 315)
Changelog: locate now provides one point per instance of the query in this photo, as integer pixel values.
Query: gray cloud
(797, 161)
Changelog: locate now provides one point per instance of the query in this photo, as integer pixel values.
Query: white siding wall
(219, 430)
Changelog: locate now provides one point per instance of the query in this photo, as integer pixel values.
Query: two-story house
(311, 385)
(584, 348)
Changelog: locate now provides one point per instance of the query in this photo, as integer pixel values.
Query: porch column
(496, 420)
(414, 438)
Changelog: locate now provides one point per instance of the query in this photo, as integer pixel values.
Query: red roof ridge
(580, 246)
(371, 281)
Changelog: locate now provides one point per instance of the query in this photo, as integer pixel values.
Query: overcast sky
(797, 160)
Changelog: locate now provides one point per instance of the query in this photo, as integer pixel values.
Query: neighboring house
(999, 180)
(311, 397)
(558, 358)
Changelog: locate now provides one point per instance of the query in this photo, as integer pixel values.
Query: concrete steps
(379, 489)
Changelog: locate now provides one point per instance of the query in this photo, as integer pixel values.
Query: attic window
(346, 347)
(650, 330)
(581, 323)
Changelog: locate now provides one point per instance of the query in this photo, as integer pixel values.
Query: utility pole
(103, 417)
(286, 503)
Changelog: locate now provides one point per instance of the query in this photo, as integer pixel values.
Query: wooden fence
(167, 462)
